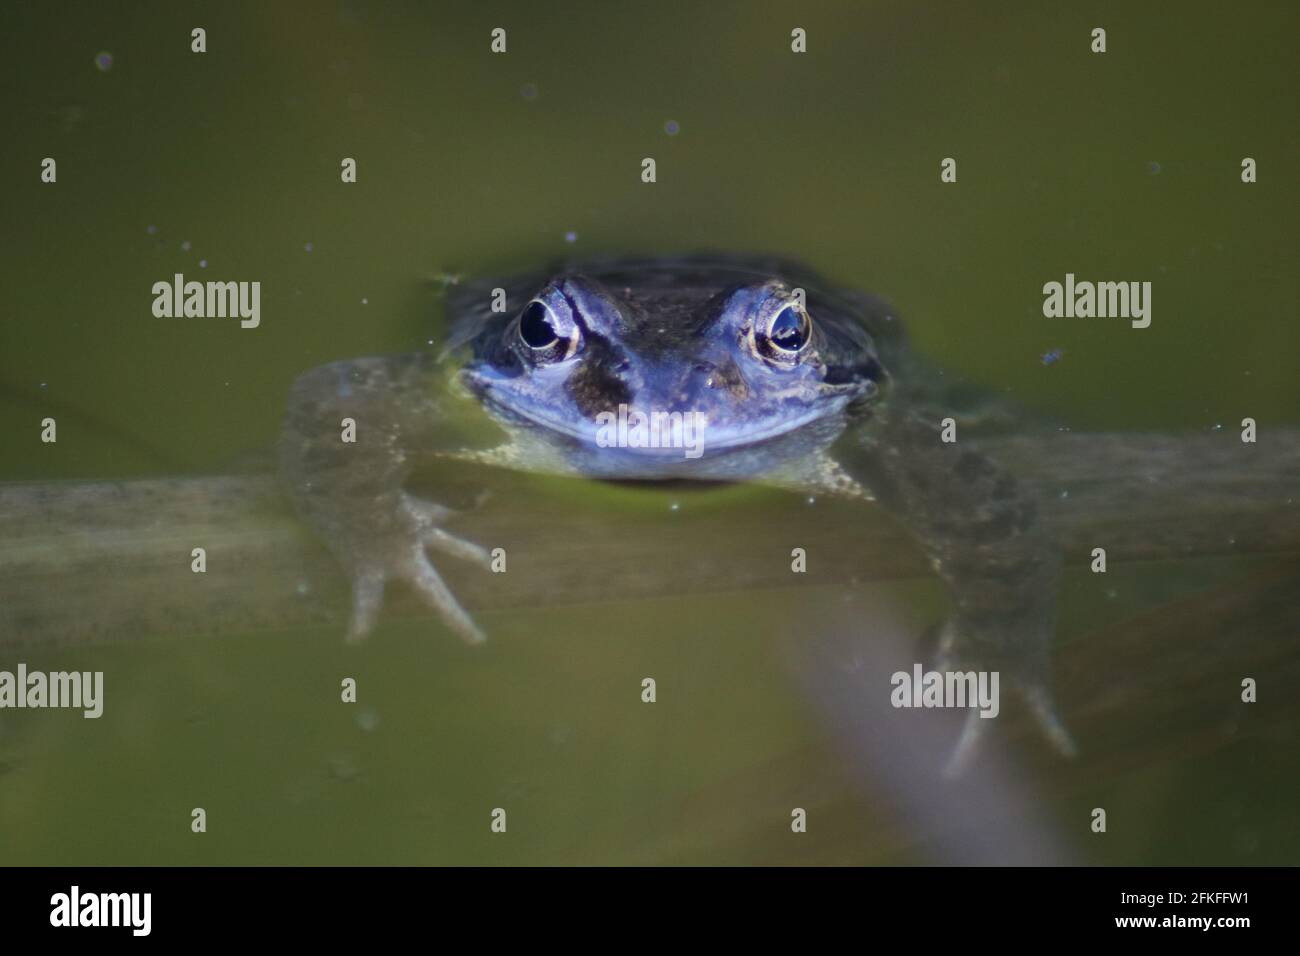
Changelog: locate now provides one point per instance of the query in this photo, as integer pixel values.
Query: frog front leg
(351, 492)
(983, 533)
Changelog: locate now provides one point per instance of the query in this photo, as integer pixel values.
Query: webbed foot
(353, 432)
(401, 556)
(1030, 682)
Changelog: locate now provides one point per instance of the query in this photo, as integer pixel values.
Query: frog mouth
(673, 437)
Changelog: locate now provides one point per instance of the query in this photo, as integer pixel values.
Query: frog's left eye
(789, 329)
(782, 331)
(548, 334)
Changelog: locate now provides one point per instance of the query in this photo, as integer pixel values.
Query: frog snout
(700, 386)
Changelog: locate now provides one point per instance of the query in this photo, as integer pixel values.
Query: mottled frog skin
(799, 384)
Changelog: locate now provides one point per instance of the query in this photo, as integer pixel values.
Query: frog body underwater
(787, 380)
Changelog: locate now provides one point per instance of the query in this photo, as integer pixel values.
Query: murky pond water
(226, 165)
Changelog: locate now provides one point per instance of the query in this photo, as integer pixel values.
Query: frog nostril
(709, 371)
(722, 375)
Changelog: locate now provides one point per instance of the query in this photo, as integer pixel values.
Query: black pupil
(535, 326)
(789, 330)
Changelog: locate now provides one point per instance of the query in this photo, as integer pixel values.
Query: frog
(792, 381)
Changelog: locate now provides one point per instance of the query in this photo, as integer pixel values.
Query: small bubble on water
(343, 767)
(103, 61)
(365, 301)
(570, 237)
(1245, 841)
(671, 128)
(203, 263)
(185, 246)
(151, 230)
(528, 91)
(368, 720)
(675, 506)
(812, 500)
(560, 734)
(308, 247)
(1153, 168)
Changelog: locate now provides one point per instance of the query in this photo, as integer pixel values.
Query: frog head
(642, 368)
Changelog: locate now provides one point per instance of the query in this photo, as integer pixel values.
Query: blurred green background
(1122, 166)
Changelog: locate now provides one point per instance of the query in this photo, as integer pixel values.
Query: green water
(1122, 166)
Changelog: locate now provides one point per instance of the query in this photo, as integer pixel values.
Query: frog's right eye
(537, 327)
(549, 335)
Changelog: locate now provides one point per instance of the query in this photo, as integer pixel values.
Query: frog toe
(412, 566)
(427, 518)
(367, 599)
(449, 544)
(428, 584)
(1027, 676)
(963, 753)
(1038, 698)
(1042, 705)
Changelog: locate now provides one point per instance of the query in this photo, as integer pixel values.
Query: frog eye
(548, 336)
(537, 327)
(782, 335)
(789, 329)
